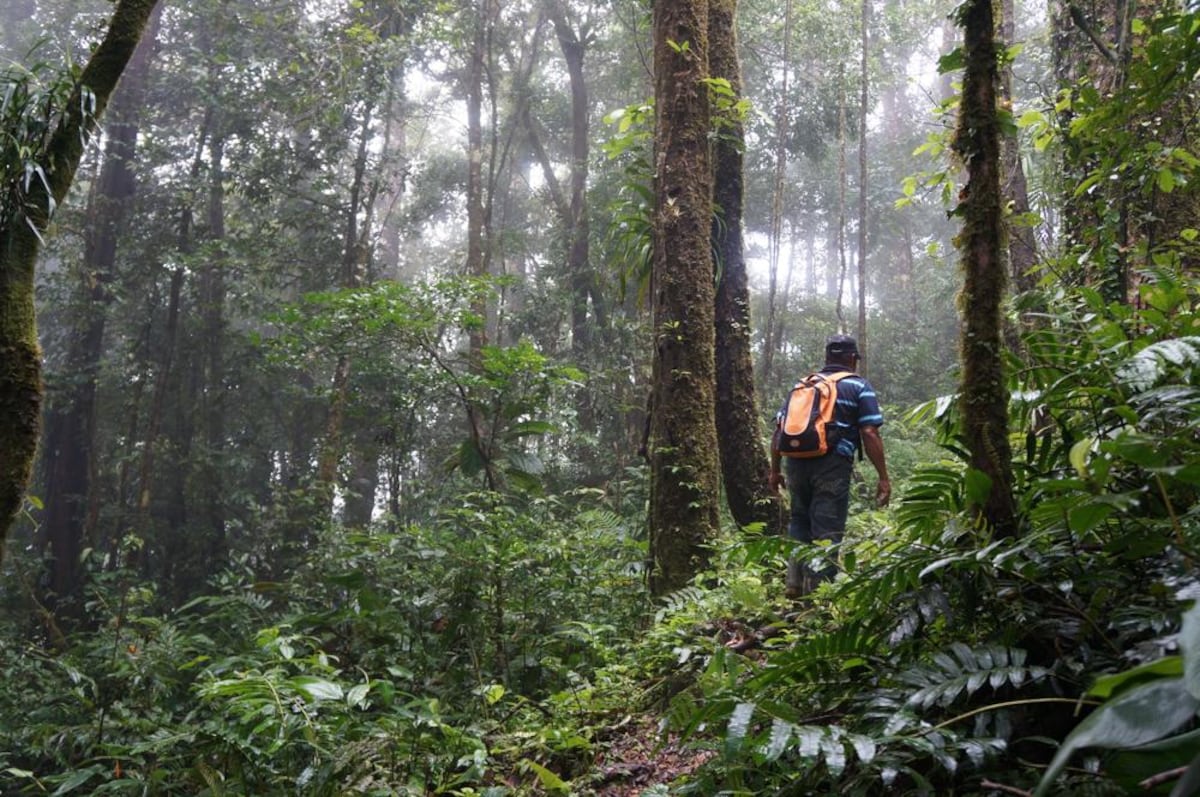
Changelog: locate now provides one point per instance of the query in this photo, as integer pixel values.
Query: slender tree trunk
(353, 263)
(864, 98)
(1022, 245)
(682, 446)
(476, 265)
(166, 379)
(771, 339)
(841, 215)
(984, 397)
(744, 464)
(212, 548)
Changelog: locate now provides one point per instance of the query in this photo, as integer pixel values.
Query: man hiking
(818, 477)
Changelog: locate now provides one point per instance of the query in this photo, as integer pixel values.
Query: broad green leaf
(1129, 768)
(317, 688)
(1166, 180)
(1189, 646)
(978, 486)
(1167, 667)
(1079, 456)
(550, 781)
(1143, 714)
(357, 695)
(951, 61)
(1087, 516)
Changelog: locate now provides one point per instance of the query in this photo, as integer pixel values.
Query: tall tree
(983, 393)
(863, 110)
(682, 446)
(775, 236)
(1022, 244)
(744, 464)
(21, 227)
(70, 418)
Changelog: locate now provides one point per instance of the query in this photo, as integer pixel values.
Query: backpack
(806, 419)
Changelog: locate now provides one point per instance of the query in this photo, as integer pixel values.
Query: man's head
(841, 350)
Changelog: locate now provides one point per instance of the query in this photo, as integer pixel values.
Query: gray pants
(819, 490)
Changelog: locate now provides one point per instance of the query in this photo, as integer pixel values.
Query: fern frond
(1144, 369)
(817, 656)
(962, 671)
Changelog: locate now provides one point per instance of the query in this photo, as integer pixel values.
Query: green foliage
(942, 657)
(386, 663)
(32, 99)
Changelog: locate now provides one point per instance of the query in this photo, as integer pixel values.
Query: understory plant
(406, 660)
(944, 660)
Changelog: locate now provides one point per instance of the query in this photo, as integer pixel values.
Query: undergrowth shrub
(942, 659)
(391, 661)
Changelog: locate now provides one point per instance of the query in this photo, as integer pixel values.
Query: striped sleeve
(869, 413)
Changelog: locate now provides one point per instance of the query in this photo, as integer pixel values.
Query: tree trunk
(166, 378)
(983, 394)
(476, 265)
(353, 263)
(20, 374)
(1022, 245)
(841, 214)
(744, 464)
(864, 98)
(775, 241)
(682, 446)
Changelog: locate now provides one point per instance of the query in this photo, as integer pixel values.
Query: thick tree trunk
(983, 394)
(682, 446)
(20, 372)
(744, 464)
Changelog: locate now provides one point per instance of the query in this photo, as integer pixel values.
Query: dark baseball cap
(841, 344)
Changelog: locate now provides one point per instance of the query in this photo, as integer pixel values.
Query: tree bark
(476, 265)
(1022, 245)
(744, 464)
(983, 393)
(775, 241)
(682, 445)
(20, 375)
(864, 98)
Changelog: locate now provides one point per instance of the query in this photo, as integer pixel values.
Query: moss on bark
(683, 442)
(984, 394)
(20, 374)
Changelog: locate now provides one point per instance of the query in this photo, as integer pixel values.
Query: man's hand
(883, 493)
(775, 481)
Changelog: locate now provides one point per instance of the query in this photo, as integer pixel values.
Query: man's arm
(775, 478)
(873, 447)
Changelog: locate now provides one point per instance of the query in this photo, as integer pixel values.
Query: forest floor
(637, 758)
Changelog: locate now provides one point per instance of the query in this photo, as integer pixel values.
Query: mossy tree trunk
(744, 464)
(984, 396)
(682, 445)
(20, 357)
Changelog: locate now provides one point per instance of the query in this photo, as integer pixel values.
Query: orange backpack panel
(803, 433)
